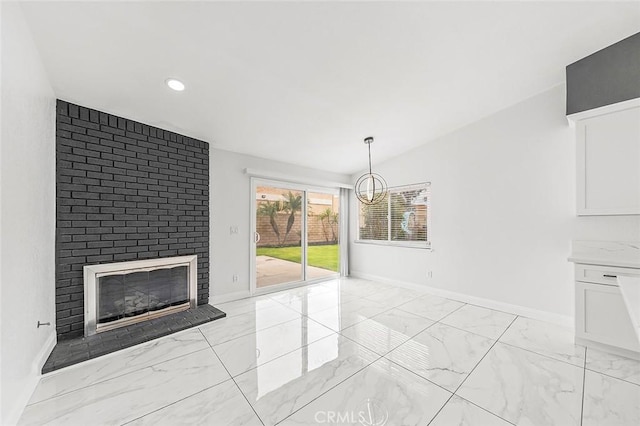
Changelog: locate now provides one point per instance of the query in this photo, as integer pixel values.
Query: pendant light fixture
(371, 188)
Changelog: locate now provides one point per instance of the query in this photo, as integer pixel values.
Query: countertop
(607, 253)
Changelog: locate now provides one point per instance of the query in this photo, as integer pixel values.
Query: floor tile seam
(431, 319)
(252, 332)
(451, 394)
(336, 385)
(410, 339)
(363, 320)
(309, 314)
(584, 378)
(327, 290)
(367, 298)
(351, 325)
(233, 379)
(465, 331)
(175, 402)
(393, 349)
(345, 303)
(318, 323)
(476, 366)
(538, 353)
(484, 409)
(492, 309)
(403, 303)
(116, 377)
(396, 307)
(475, 305)
(474, 332)
(267, 308)
(281, 304)
(387, 308)
(440, 409)
(267, 328)
(390, 309)
(416, 374)
(377, 291)
(483, 357)
(591, 370)
(279, 356)
(452, 312)
(354, 292)
(287, 306)
(420, 315)
(386, 356)
(323, 309)
(586, 350)
(383, 312)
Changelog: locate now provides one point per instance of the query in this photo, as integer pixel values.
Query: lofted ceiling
(305, 82)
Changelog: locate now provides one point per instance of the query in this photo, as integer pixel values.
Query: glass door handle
(256, 237)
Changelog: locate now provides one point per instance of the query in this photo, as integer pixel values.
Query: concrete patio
(270, 271)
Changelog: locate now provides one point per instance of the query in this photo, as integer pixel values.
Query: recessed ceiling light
(174, 84)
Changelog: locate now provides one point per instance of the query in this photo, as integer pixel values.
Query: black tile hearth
(73, 351)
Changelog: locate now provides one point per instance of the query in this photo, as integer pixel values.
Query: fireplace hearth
(73, 351)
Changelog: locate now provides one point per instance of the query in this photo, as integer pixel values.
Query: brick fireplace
(126, 191)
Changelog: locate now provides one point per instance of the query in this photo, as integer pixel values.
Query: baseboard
(608, 348)
(229, 297)
(32, 381)
(44, 353)
(562, 320)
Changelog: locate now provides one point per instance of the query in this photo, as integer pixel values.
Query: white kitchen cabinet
(608, 159)
(601, 315)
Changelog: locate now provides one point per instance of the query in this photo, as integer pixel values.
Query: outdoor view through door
(296, 235)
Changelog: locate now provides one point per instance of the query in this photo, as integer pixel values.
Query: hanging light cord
(369, 146)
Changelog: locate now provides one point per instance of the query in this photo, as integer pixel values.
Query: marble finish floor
(348, 352)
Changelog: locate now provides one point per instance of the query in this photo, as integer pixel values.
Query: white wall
(230, 195)
(503, 210)
(27, 214)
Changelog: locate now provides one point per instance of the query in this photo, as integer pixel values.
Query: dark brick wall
(125, 191)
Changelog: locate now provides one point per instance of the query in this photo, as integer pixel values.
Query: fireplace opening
(126, 295)
(120, 294)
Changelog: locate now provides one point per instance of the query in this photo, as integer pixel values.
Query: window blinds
(403, 216)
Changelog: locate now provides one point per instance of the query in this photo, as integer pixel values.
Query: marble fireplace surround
(92, 273)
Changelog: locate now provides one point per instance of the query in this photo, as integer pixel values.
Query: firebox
(123, 293)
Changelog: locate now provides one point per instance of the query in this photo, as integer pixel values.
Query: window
(402, 218)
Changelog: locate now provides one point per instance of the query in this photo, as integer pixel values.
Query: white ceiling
(305, 82)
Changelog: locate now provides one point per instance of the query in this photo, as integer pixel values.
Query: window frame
(389, 241)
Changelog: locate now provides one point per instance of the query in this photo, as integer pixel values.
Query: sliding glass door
(296, 231)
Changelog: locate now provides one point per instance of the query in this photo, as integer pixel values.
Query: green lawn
(325, 257)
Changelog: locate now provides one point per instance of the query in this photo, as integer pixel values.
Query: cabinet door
(608, 163)
(601, 316)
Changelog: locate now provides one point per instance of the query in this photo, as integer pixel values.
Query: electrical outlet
(233, 230)
(235, 278)
(429, 274)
